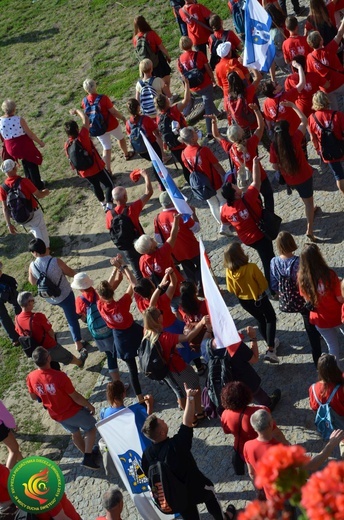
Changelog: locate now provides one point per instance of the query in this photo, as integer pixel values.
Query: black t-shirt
(242, 369)
(176, 452)
(8, 289)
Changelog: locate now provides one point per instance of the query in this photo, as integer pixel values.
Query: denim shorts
(82, 420)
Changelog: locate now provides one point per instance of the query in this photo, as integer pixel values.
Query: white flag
(125, 444)
(224, 328)
(177, 197)
(259, 50)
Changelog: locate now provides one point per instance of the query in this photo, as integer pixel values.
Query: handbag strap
(251, 212)
(236, 443)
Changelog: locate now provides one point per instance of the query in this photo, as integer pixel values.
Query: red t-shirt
(67, 507)
(186, 246)
(304, 172)
(239, 111)
(327, 313)
(231, 37)
(89, 295)
(168, 342)
(194, 318)
(238, 157)
(196, 32)
(85, 140)
(187, 62)
(157, 262)
(148, 125)
(116, 314)
(176, 115)
(337, 402)
(206, 160)
(4, 474)
(230, 422)
(238, 216)
(26, 186)
(104, 104)
(313, 83)
(164, 304)
(134, 210)
(324, 118)
(223, 68)
(40, 327)
(274, 111)
(321, 59)
(152, 38)
(54, 389)
(254, 451)
(295, 46)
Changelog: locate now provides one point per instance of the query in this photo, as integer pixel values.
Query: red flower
(258, 510)
(323, 495)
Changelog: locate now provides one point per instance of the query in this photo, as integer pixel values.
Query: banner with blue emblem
(259, 51)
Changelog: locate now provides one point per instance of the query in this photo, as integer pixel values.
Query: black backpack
(19, 206)
(194, 75)
(98, 125)
(27, 342)
(214, 58)
(122, 231)
(219, 373)
(332, 148)
(46, 287)
(24, 515)
(143, 50)
(79, 158)
(136, 138)
(290, 300)
(151, 360)
(165, 128)
(169, 493)
(199, 182)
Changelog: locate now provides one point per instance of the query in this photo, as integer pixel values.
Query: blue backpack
(325, 419)
(135, 136)
(238, 14)
(98, 125)
(95, 323)
(199, 183)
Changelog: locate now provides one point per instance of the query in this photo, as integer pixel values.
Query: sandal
(129, 155)
(230, 512)
(198, 417)
(312, 238)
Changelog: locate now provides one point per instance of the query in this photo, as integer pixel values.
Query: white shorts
(37, 226)
(105, 139)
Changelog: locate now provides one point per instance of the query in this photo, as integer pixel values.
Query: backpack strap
(334, 391)
(194, 167)
(327, 66)
(190, 16)
(86, 302)
(46, 271)
(30, 327)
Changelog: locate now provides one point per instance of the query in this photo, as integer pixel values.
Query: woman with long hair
(321, 19)
(240, 96)
(179, 372)
(320, 286)
(287, 156)
(283, 279)
(247, 282)
(330, 377)
(158, 52)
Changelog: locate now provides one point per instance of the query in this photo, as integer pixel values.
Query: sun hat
(223, 49)
(81, 281)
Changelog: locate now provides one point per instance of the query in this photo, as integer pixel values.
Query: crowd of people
(163, 270)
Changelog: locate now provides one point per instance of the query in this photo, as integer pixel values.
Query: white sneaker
(225, 231)
(271, 356)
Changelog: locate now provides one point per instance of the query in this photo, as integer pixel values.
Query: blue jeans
(207, 94)
(331, 337)
(337, 170)
(68, 307)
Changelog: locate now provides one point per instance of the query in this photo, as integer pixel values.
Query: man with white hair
(110, 116)
(19, 202)
(132, 211)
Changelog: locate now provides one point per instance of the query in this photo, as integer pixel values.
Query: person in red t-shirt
(133, 210)
(116, 314)
(37, 325)
(328, 119)
(196, 16)
(236, 399)
(36, 224)
(287, 157)
(111, 116)
(63, 510)
(320, 286)
(324, 60)
(64, 404)
(95, 174)
(295, 45)
(113, 504)
(186, 247)
(221, 35)
(190, 59)
(203, 158)
(235, 212)
(239, 99)
(329, 376)
(179, 372)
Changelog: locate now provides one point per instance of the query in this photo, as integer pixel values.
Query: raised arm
(260, 120)
(82, 115)
(189, 412)
(187, 95)
(303, 118)
(174, 231)
(256, 182)
(148, 187)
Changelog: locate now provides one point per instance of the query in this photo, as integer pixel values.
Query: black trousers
(264, 313)
(133, 375)
(31, 171)
(103, 177)
(211, 503)
(266, 253)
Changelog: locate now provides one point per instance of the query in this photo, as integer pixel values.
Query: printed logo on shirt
(36, 484)
(308, 87)
(118, 317)
(50, 388)
(39, 389)
(244, 214)
(321, 288)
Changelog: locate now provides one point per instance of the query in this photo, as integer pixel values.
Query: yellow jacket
(247, 283)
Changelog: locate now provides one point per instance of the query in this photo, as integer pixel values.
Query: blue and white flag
(259, 50)
(125, 444)
(177, 197)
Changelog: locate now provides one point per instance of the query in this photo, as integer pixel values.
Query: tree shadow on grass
(30, 37)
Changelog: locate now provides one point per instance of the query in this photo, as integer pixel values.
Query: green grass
(9, 361)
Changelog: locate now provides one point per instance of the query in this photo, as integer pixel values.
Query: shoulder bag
(269, 223)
